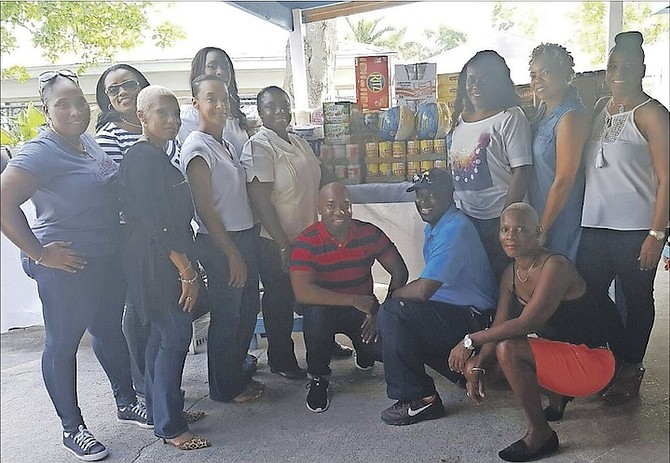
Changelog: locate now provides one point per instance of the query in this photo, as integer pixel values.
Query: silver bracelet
(191, 281)
(39, 261)
(478, 369)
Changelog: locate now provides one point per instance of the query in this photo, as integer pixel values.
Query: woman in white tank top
(625, 213)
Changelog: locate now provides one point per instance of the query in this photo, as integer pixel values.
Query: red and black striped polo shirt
(340, 266)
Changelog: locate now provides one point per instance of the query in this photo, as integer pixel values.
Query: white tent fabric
(20, 303)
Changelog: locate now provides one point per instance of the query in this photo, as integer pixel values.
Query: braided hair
(198, 68)
(559, 55)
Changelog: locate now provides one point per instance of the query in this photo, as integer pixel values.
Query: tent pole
(614, 23)
(298, 65)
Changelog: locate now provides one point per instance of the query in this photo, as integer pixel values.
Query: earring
(110, 107)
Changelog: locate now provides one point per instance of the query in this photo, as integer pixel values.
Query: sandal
(192, 417)
(626, 386)
(194, 443)
(553, 414)
(249, 393)
(256, 385)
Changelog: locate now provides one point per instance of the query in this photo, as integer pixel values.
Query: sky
(242, 34)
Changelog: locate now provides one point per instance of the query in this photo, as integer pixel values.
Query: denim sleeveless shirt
(565, 233)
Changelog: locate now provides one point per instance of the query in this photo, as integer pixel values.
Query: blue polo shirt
(455, 256)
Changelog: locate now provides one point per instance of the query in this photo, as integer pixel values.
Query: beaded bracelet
(191, 281)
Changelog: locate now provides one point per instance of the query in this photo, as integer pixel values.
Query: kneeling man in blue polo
(423, 320)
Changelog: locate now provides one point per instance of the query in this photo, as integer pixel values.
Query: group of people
(515, 288)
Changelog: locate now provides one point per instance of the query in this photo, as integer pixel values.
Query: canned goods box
(337, 112)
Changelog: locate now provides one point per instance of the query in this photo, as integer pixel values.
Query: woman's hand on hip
(59, 254)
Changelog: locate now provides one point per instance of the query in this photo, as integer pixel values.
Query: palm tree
(365, 31)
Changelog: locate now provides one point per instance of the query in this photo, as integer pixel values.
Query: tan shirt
(294, 170)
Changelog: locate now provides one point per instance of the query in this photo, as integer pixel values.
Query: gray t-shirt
(482, 155)
(77, 196)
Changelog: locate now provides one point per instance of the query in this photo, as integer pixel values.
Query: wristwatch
(467, 343)
(659, 235)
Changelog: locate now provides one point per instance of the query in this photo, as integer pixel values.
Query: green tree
(95, 31)
(505, 17)
(368, 31)
(444, 39)
(590, 21)
(438, 41)
(502, 16)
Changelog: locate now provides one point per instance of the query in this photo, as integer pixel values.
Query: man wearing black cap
(422, 321)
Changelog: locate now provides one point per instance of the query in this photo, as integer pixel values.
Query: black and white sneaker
(134, 414)
(83, 445)
(402, 412)
(362, 363)
(317, 397)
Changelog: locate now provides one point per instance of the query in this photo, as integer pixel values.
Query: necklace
(80, 149)
(523, 280)
(137, 126)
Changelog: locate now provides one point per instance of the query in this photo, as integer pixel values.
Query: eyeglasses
(47, 76)
(423, 178)
(128, 86)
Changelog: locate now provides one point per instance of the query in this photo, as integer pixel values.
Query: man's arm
(394, 264)
(421, 289)
(306, 292)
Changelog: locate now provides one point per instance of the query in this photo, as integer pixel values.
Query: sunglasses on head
(128, 86)
(47, 76)
(423, 178)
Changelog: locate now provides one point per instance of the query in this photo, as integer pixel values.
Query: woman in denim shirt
(560, 129)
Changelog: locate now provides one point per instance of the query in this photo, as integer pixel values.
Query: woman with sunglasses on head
(226, 243)
(560, 127)
(214, 61)
(626, 206)
(158, 262)
(117, 129)
(71, 251)
(489, 148)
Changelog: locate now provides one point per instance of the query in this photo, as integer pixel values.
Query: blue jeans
(414, 334)
(233, 313)
(90, 299)
(320, 324)
(277, 305)
(137, 336)
(169, 338)
(603, 255)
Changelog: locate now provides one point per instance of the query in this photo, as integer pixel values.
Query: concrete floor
(278, 427)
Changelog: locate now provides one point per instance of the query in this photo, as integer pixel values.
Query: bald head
(333, 189)
(335, 209)
(526, 212)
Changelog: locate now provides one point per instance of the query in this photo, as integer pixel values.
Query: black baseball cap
(435, 179)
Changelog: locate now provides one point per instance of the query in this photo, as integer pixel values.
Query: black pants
(233, 313)
(277, 306)
(603, 255)
(489, 232)
(414, 334)
(320, 324)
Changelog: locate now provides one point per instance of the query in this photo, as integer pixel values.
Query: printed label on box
(372, 82)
